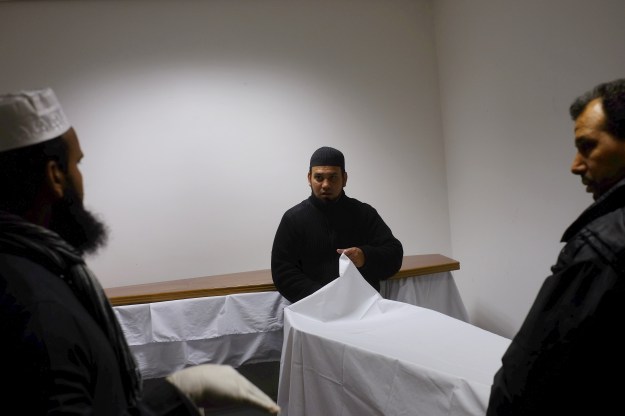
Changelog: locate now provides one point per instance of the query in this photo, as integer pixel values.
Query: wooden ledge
(248, 282)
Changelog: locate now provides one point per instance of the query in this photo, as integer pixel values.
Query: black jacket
(55, 359)
(569, 355)
(304, 257)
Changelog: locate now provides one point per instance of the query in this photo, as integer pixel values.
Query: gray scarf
(47, 248)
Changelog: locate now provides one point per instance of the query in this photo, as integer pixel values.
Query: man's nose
(578, 167)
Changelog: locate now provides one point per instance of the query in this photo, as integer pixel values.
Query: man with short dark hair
(313, 234)
(62, 350)
(568, 354)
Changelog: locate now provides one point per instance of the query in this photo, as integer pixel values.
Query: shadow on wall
(483, 317)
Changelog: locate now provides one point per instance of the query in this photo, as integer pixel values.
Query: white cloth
(244, 328)
(436, 291)
(235, 330)
(348, 351)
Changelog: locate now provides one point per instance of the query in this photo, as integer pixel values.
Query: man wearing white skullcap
(62, 350)
(30, 117)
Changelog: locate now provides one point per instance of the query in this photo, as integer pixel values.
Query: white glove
(210, 385)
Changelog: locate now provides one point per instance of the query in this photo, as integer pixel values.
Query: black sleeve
(56, 361)
(384, 253)
(162, 398)
(558, 362)
(286, 270)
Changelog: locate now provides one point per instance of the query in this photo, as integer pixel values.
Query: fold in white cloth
(348, 351)
(345, 298)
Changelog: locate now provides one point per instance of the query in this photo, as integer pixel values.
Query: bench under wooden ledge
(252, 281)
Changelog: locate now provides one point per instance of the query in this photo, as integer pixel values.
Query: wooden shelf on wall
(252, 281)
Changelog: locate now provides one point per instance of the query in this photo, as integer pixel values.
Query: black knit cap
(327, 156)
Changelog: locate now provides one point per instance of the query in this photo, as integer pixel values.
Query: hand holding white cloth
(348, 298)
(210, 385)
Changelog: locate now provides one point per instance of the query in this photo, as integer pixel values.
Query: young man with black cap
(62, 350)
(313, 234)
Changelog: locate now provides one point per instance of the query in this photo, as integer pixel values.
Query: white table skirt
(244, 328)
(436, 291)
(371, 356)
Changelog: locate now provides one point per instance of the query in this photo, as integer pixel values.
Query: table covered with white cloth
(348, 351)
(244, 328)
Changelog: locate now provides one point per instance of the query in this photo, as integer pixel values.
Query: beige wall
(508, 72)
(198, 118)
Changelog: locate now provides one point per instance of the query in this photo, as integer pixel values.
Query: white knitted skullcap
(30, 117)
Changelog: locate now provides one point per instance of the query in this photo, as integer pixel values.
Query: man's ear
(344, 179)
(55, 179)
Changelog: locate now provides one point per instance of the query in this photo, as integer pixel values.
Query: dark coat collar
(612, 200)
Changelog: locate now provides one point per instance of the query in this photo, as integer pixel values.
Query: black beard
(76, 225)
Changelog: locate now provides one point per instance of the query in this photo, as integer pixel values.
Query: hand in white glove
(214, 385)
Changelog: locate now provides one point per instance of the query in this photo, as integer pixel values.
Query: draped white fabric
(347, 351)
(235, 330)
(244, 328)
(436, 291)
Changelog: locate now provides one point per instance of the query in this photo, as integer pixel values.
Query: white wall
(508, 73)
(198, 118)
